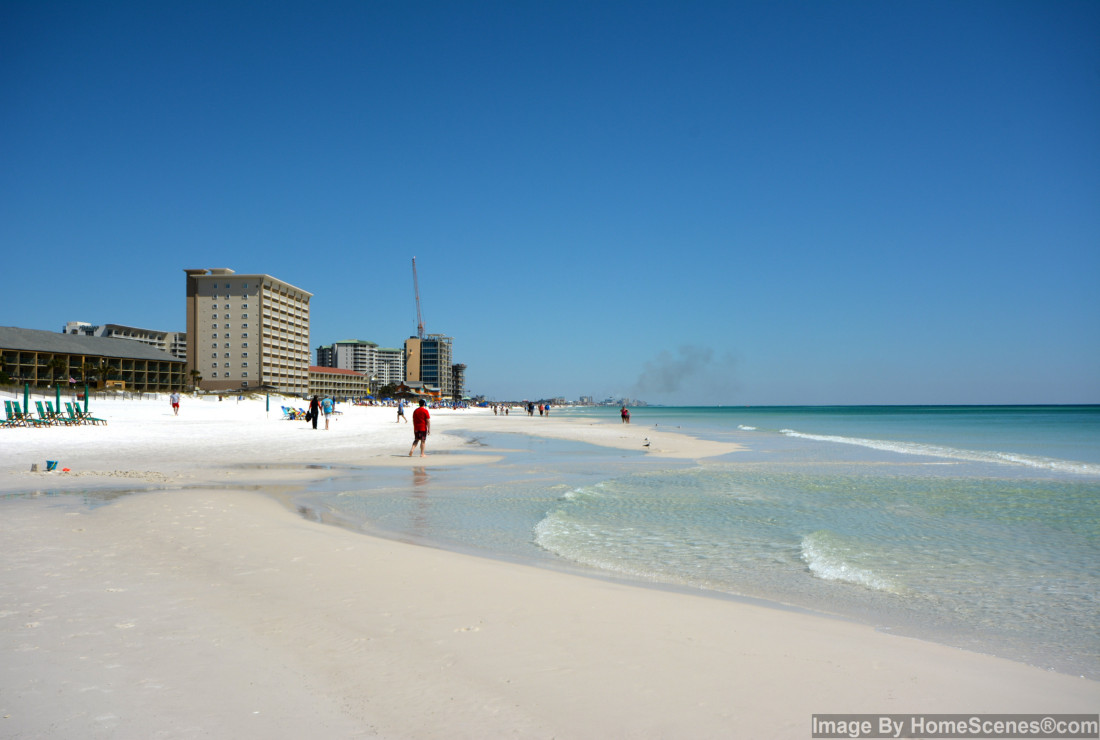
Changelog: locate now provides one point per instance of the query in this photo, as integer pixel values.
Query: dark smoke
(692, 373)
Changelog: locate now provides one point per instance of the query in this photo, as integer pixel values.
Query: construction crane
(416, 290)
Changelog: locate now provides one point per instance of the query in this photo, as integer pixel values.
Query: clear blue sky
(686, 202)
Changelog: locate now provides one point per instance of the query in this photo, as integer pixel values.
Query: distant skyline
(688, 203)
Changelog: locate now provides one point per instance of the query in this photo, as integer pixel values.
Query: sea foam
(829, 557)
(916, 448)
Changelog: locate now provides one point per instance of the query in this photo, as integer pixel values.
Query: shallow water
(969, 535)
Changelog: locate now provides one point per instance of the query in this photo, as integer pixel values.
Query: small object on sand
(646, 443)
(34, 467)
(51, 465)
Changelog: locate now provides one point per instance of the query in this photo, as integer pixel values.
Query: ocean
(977, 527)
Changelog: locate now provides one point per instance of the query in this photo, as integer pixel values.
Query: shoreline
(114, 615)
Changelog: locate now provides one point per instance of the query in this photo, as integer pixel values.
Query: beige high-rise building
(428, 361)
(247, 332)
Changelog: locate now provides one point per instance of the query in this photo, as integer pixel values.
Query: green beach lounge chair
(11, 420)
(55, 415)
(81, 417)
(42, 415)
(27, 419)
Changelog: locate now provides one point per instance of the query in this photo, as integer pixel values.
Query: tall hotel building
(247, 332)
(428, 361)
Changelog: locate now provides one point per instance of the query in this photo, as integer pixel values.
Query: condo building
(247, 332)
(382, 365)
(172, 342)
(428, 361)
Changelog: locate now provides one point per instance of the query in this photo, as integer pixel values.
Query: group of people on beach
(421, 418)
(544, 409)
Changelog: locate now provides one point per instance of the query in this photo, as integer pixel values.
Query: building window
(215, 316)
(227, 355)
(214, 356)
(244, 364)
(214, 375)
(214, 365)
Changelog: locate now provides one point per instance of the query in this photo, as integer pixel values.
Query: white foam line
(912, 448)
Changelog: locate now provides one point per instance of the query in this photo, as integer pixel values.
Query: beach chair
(10, 420)
(27, 419)
(72, 414)
(87, 418)
(42, 415)
(56, 416)
(81, 417)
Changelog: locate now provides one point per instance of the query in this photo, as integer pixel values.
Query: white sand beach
(206, 608)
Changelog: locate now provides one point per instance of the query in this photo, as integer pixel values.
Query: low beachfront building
(46, 358)
(338, 383)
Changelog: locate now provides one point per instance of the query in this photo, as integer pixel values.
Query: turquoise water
(977, 527)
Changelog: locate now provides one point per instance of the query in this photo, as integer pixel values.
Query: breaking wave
(834, 558)
(916, 448)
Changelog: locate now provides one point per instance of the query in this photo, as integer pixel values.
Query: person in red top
(422, 426)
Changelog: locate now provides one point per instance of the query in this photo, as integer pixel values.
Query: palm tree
(55, 364)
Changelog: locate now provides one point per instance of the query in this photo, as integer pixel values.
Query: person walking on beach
(327, 406)
(422, 427)
(401, 411)
(314, 410)
(625, 414)
(175, 401)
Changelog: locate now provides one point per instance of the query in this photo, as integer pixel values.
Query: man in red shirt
(422, 426)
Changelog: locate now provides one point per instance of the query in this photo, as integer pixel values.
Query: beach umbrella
(85, 398)
(26, 396)
(58, 388)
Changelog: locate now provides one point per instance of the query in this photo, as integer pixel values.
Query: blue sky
(686, 202)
